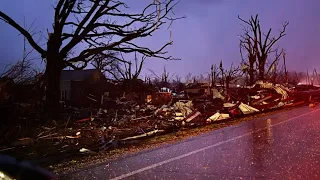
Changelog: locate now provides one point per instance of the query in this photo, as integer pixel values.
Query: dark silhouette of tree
(214, 74)
(119, 69)
(258, 44)
(104, 62)
(201, 78)
(188, 78)
(274, 71)
(23, 71)
(228, 74)
(177, 85)
(128, 70)
(164, 79)
(249, 61)
(95, 26)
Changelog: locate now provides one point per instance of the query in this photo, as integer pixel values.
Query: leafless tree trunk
(147, 79)
(308, 77)
(229, 75)
(195, 79)
(285, 67)
(134, 74)
(125, 70)
(188, 78)
(178, 78)
(245, 43)
(316, 76)
(222, 73)
(164, 78)
(214, 74)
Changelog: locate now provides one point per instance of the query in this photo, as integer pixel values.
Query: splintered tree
(177, 85)
(162, 80)
(188, 78)
(84, 28)
(201, 78)
(228, 75)
(258, 44)
(128, 72)
(214, 74)
(126, 69)
(165, 76)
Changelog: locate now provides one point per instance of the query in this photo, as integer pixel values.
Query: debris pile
(120, 121)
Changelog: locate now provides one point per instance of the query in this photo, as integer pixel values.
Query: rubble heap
(92, 130)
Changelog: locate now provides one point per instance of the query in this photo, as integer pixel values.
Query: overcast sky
(208, 34)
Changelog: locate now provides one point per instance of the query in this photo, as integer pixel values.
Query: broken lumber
(143, 135)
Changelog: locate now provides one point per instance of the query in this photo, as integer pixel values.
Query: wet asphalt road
(281, 146)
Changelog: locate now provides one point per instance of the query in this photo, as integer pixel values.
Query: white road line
(201, 149)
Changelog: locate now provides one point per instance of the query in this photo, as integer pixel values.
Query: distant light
(238, 85)
(299, 83)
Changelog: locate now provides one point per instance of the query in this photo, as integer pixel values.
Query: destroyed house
(82, 87)
(197, 88)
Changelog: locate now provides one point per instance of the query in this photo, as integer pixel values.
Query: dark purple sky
(208, 34)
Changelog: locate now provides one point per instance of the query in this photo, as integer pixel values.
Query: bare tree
(214, 74)
(222, 79)
(201, 78)
(23, 71)
(195, 79)
(176, 84)
(259, 44)
(104, 62)
(285, 67)
(228, 75)
(188, 78)
(92, 23)
(119, 70)
(147, 79)
(316, 76)
(177, 79)
(165, 76)
(126, 69)
(164, 79)
(249, 61)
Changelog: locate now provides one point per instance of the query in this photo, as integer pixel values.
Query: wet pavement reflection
(281, 146)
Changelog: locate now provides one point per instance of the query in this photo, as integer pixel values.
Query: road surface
(281, 146)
